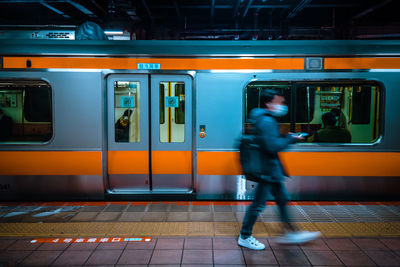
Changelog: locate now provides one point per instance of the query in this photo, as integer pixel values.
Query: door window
(172, 112)
(127, 111)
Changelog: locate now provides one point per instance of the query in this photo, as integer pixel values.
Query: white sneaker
(250, 243)
(297, 237)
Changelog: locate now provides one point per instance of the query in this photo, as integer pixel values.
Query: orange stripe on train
(309, 163)
(50, 163)
(166, 64)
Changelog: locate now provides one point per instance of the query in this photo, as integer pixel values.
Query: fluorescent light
(113, 32)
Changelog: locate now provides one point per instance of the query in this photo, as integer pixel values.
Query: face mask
(280, 110)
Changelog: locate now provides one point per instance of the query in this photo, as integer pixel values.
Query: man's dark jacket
(266, 130)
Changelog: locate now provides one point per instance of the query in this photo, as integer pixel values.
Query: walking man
(266, 131)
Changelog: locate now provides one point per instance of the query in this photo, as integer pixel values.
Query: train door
(149, 133)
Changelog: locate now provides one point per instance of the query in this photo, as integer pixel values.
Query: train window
(172, 112)
(344, 112)
(25, 112)
(252, 100)
(329, 111)
(127, 111)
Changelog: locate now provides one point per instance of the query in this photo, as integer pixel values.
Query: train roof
(227, 48)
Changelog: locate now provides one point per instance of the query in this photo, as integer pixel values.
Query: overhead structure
(212, 19)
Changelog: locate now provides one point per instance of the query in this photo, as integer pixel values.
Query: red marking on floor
(92, 240)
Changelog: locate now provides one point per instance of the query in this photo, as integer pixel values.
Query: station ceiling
(213, 19)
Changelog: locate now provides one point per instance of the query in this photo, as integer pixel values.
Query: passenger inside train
(331, 133)
(122, 127)
(353, 106)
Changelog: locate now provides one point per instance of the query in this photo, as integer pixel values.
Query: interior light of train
(113, 32)
(74, 70)
(240, 71)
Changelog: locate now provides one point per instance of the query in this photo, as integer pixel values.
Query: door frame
(109, 122)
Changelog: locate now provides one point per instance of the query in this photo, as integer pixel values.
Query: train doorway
(149, 133)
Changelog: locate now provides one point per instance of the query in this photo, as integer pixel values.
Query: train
(159, 120)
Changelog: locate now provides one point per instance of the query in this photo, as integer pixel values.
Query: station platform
(202, 233)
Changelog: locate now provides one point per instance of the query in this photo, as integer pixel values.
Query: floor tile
(158, 207)
(83, 246)
(393, 244)
(224, 217)
(219, 208)
(164, 265)
(341, 244)
(197, 257)
(355, 258)
(72, 257)
(179, 208)
(277, 246)
(135, 257)
(53, 246)
(201, 208)
(13, 257)
(131, 217)
(291, 257)
(41, 258)
(115, 208)
(370, 244)
(322, 257)
(92, 208)
(170, 243)
(84, 217)
(241, 208)
(225, 243)
(259, 257)
(154, 217)
(384, 258)
(166, 257)
(137, 208)
(201, 216)
(5, 243)
(228, 257)
(142, 245)
(194, 265)
(23, 245)
(104, 257)
(107, 216)
(318, 244)
(178, 217)
(119, 245)
(198, 243)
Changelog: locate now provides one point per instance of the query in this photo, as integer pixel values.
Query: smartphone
(302, 135)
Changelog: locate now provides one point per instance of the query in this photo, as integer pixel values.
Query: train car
(161, 119)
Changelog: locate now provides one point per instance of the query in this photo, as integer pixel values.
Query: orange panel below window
(171, 162)
(128, 162)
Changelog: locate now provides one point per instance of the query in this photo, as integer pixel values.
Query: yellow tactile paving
(306, 226)
(226, 228)
(123, 229)
(174, 229)
(201, 229)
(331, 229)
(386, 229)
(359, 229)
(273, 229)
(259, 230)
(147, 229)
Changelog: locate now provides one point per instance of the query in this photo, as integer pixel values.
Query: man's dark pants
(278, 190)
